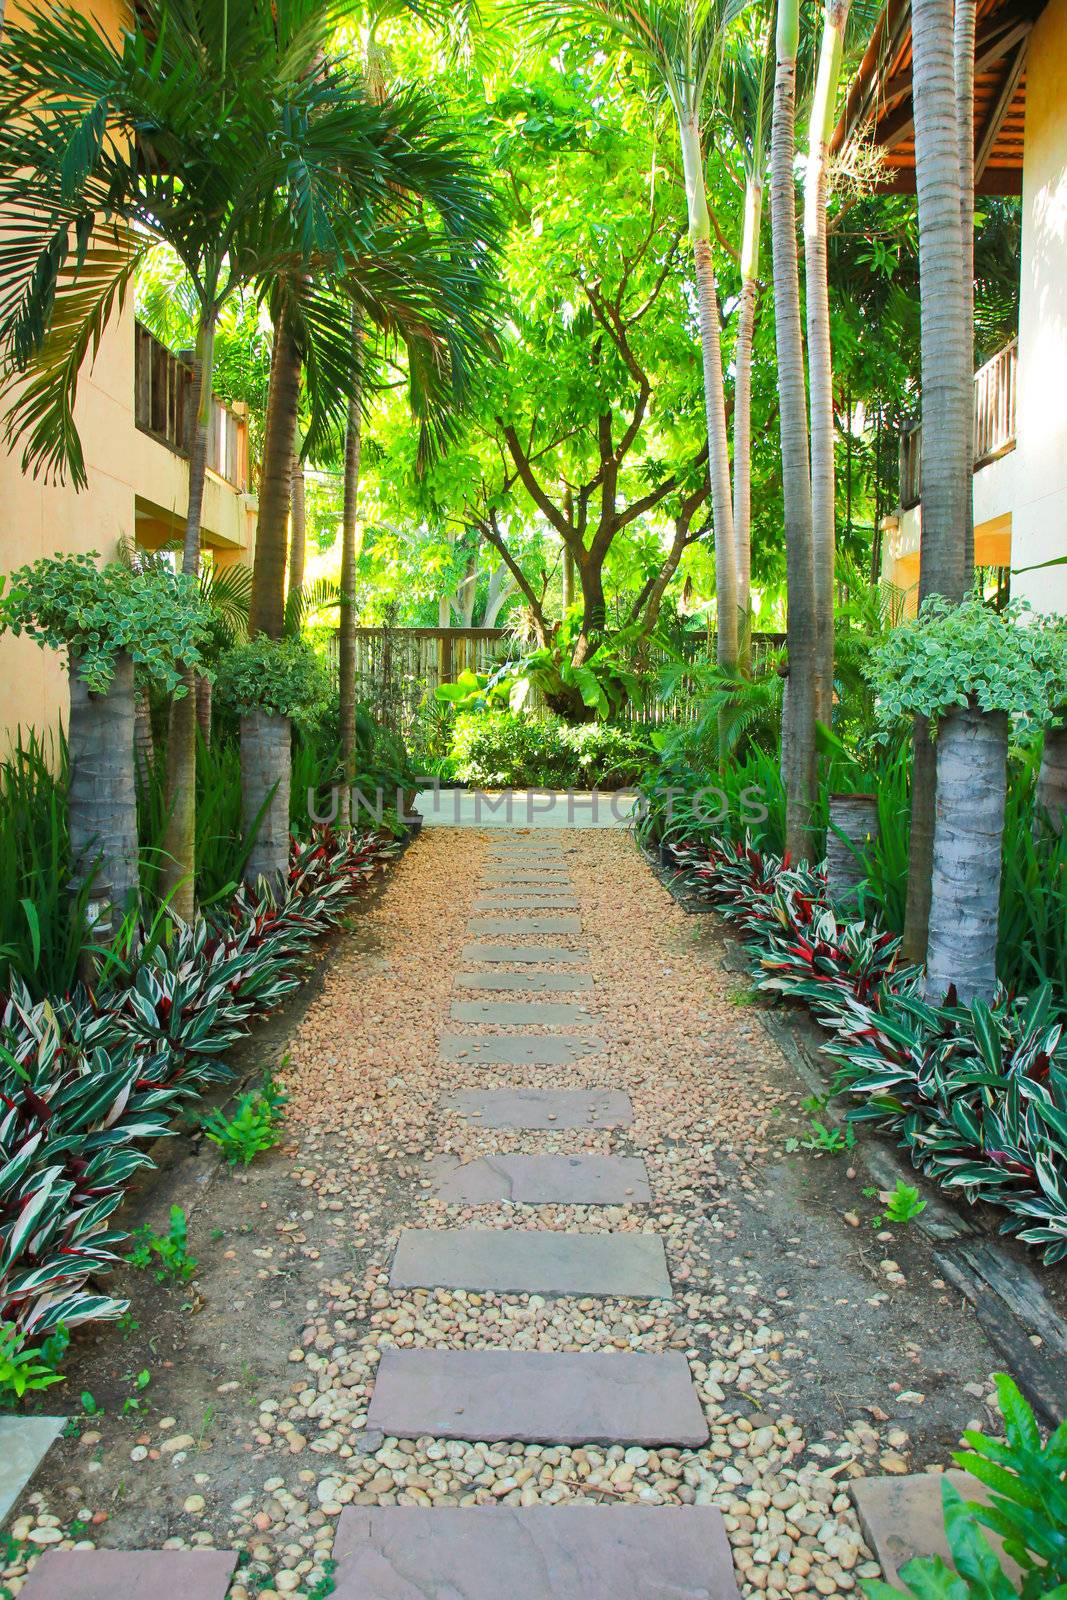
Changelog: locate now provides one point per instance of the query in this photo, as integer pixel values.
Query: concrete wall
(1039, 509)
(137, 490)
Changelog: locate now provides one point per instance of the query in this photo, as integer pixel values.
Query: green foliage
(26, 1368)
(506, 750)
(253, 1127)
(171, 1249)
(281, 677)
(904, 1204)
(603, 683)
(975, 1574)
(949, 656)
(1028, 1480)
(98, 612)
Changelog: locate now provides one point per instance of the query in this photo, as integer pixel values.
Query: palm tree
(798, 717)
(185, 129)
(820, 365)
(680, 42)
(946, 341)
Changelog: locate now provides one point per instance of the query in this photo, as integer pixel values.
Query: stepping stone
(526, 982)
(553, 899)
(509, 1050)
(24, 1442)
(509, 954)
(130, 1575)
(538, 872)
(537, 1396)
(522, 1013)
(582, 1552)
(510, 927)
(586, 1180)
(902, 1517)
(543, 1108)
(532, 1261)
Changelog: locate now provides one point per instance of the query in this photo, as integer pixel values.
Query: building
(131, 413)
(1020, 142)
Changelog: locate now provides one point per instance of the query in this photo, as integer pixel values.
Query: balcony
(995, 395)
(164, 408)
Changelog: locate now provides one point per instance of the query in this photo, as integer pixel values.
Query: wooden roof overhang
(879, 106)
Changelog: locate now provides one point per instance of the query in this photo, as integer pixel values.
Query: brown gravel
(814, 1362)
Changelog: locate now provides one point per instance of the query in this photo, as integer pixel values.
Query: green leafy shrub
(170, 1249)
(255, 1125)
(950, 655)
(281, 677)
(506, 750)
(28, 1368)
(154, 615)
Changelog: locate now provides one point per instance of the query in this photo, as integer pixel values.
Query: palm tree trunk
(963, 65)
(204, 701)
(714, 395)
(972, 753)
(346, 622)
(103, 795)
(820, 365)
(853, 828)
(947, 397)
(265, 777)
(1050, 801)
(298, 526)
(798, 740)
(179, 842)
(746, 319)
(267, 610)
(144, 745)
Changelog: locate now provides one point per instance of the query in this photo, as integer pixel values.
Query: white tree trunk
(103, 793)
(265, 778)
(853, 829)
(746, 318)
(972, 754)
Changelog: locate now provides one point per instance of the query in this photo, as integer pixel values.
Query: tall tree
(798, 717)
(947, 395)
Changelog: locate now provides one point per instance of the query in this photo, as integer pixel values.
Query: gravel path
(818, 1352)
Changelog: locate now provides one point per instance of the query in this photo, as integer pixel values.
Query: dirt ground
(820, 1349)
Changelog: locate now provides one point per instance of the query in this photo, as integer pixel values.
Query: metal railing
(164, 407)
(996, 387)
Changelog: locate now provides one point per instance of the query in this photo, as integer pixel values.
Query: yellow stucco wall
(137, 489)
(1039, 468)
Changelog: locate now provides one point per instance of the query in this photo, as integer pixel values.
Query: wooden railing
(995, 397)
(164, 407)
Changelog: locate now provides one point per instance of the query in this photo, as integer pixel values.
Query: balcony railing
(164, 407)
(995, 396)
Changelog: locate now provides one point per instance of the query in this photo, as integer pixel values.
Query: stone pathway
(562, 1317)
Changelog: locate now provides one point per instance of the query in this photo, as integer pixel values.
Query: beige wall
(1039, 508)
(137, 490)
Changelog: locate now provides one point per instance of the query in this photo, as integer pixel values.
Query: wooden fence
(164, 407)
(398, 670)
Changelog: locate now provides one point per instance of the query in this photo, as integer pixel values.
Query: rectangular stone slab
(130, 1575)
(902, 1517)
(517, 1050)
(551, 899)
(526, 982)
(532, 1261)
(518, 872)
(622, 1552)
(511, 927)
(522, 1013)
(543, 1108)
(24, 1442)
(537, 1396)
(581, 1180)
(509, 954)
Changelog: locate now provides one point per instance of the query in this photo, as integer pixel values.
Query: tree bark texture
(947, 396)
(298, 526)
(746, 321)
(820, 360)
(799, 736)
(1050, 801)
(963, 65)
(346, 624)
(144, 744)
(179, 840)
(103, 792)
(267, 609)
(853, 829)
(204, 702)
(265, 774)
(972, 752)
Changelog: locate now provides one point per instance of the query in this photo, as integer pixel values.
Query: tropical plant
(28, 1368)
(165, 1254)
(253, 1126)
(975, 1573)
(505, 750)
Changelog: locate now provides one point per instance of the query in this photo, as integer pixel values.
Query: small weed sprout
(255, 1125)
(904, 1204)
(26, 1368)
(171, 1249)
